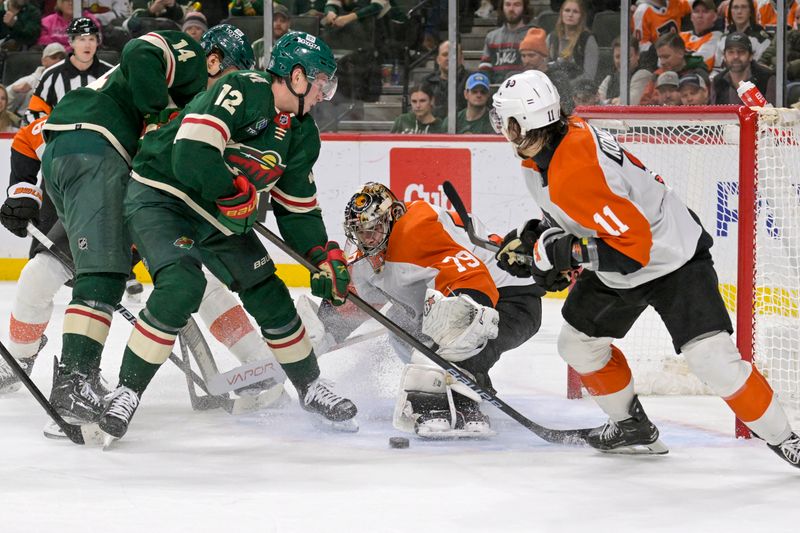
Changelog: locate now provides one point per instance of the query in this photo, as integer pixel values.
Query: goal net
(739, 171)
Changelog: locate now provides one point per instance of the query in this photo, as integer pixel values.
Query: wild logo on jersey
(260, 168)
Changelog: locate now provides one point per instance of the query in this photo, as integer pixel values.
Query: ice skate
(634, 435)
(117, 417)
(9, 382)
(788, 450)
(74, 397)
(332, 410)
(436, 420)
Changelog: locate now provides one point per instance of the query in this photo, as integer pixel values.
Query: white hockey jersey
(592, 187)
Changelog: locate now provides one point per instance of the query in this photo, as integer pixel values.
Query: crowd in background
(681, 52)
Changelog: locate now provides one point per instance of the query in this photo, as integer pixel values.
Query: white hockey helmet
(530, 97)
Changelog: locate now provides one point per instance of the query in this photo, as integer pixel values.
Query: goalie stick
(219, 401)
(555, 436)
(79, 434)
(458, 205)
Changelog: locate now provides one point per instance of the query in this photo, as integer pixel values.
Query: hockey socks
(148, 347)
(86, 326)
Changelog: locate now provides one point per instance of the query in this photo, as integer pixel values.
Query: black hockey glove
(517, 245)
(552, 259)
(22, 206)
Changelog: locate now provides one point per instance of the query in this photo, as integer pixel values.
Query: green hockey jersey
(159, 70)
(234, 129)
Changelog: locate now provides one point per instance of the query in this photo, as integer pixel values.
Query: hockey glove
(552, 259)
(332, 279)
(22, 206)
(239, 212)
(517, 247)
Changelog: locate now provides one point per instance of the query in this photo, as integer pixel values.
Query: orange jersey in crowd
(427, 248)
(705, 46)
(29, 141)
(594, 188)
(651, 22)
(767, 15)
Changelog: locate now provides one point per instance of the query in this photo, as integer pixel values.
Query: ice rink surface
(182, 471)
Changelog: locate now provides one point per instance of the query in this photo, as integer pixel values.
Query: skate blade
(108, 441)
(270, 398)
(455, 434)
(92, 434)
(344, 426)
(655, 448)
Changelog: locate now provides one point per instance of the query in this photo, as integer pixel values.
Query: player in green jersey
(193, 199)
(92, 136)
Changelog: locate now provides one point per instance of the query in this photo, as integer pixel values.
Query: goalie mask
(368, 220)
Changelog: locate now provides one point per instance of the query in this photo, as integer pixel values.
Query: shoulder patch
(609, 145)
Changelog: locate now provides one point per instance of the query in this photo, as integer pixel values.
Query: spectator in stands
(571, 44)
(21, 24)
(500, 58)
(704, 38)
(792, 54)
(246, 8)
(112, 12)
(165, 9)
(20, 92)
(585, 91)
(420, 119)
(667, 89)
(9, 122)
(741, 17)
(741, 67)
(767, 14)
(436, 81)
(195, 24)
(535, 56)
(80, 68)
(655, 18)
(694, 87)
(280, 26)
(475, 117)
(672, 55)
(54, 26)
(640, 77)
(352, 24)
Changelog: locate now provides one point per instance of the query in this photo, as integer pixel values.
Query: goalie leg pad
(426, 406)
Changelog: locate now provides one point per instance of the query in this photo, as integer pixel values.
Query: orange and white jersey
(650, 22)
(29, 140)
(592, 187)
(705, 46)
(429, 249)
(767, 14)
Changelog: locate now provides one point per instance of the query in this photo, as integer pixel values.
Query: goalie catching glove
(22, 206)
(333, 278)
(238, 212)
(515, 252)
(458, 324)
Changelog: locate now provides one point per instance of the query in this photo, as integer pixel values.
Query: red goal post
(739, 170)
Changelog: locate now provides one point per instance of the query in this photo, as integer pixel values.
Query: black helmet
(82, 26)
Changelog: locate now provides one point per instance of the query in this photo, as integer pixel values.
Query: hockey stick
(79, 434)
(67, 262)
(458, 205)
(556, 436)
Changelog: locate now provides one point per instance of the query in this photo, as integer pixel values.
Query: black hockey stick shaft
(557, 436)
(72, 431)
(121, 309)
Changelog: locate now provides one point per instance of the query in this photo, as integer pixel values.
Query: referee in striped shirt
(80, 68)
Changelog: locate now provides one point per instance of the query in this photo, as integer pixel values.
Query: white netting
(699, 159)
(776, 326)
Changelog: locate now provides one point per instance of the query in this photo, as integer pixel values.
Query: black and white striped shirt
(58, 80)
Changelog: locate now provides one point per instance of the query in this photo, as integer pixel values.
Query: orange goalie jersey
(592, 187)
(427, 248)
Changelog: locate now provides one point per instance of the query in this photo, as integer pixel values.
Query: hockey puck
(398, 442)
